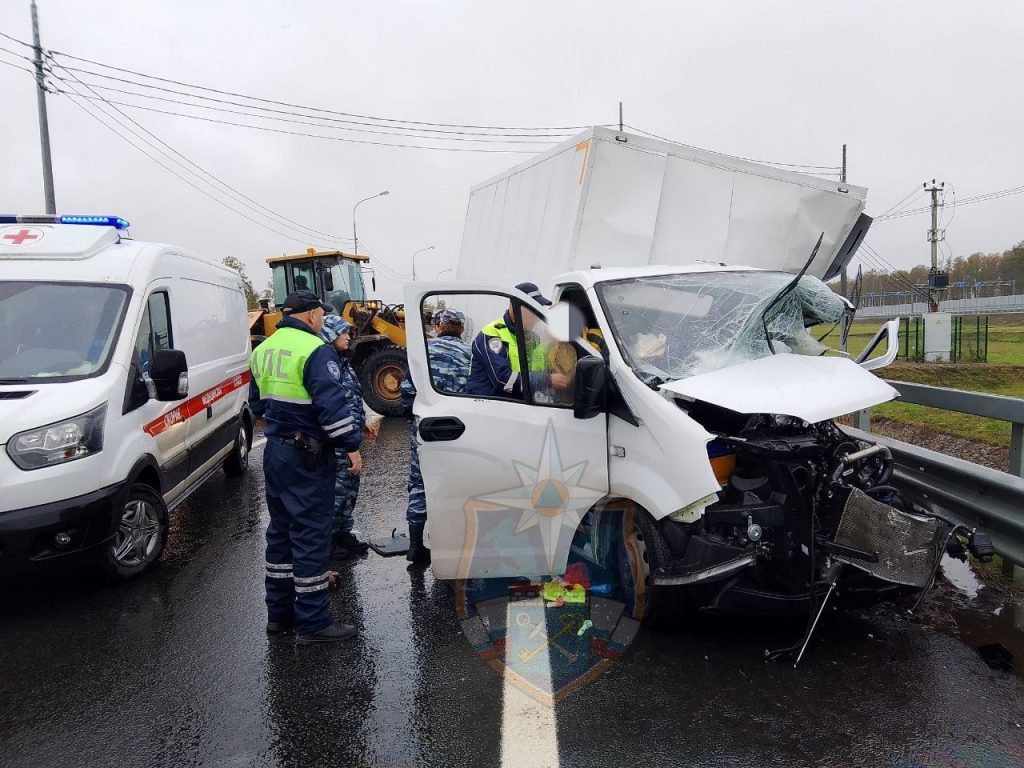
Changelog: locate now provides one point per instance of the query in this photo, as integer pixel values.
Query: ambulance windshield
(57, 331)
(673, 326)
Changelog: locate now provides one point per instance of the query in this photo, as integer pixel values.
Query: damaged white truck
(696, 454)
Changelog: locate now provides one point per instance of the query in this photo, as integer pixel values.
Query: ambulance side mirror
(169, 374)
(591, 388)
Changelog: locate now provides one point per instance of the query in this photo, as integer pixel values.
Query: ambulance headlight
(57, 443)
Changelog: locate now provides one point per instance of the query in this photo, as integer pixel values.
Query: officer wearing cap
(307, 413)
(448, 359)
(497, 370)
(338, 333)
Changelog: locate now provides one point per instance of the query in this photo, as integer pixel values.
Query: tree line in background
(252, 298)
(975, 276)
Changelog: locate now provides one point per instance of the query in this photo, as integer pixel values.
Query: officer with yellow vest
(496, 369)
(298, 378)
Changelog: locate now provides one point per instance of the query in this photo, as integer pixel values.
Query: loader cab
(334, 276)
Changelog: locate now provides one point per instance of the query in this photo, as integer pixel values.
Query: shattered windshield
(673, 326)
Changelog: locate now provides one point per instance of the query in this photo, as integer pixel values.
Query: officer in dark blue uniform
(298, 378)
(338, 333)
(448, 359)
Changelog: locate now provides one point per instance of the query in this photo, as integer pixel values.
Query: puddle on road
(961, 576)
(978, 608)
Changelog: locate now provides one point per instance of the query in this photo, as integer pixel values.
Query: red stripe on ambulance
(197, 404)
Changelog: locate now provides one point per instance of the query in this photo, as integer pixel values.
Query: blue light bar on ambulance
(96, 221)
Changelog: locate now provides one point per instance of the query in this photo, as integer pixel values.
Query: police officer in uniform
(299, 378)
(338, 333)
(448, 359)
(497, 369)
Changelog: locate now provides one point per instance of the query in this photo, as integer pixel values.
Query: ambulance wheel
(645, 550)
(381, 375)
(140, 536)
(237, 462)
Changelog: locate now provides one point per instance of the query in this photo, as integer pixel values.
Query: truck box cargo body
(616, 199)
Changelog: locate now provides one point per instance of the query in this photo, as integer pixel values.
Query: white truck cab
(123, 385)
(698, 434)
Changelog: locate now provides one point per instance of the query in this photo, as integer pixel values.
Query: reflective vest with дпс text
(278, 364)
(534, 352)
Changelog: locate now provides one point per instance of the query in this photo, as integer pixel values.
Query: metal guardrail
(976, 496)
(997, 407)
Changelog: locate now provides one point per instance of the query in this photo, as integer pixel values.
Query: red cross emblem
(21, 236)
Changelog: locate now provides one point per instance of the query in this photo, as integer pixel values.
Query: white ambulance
(123, 386)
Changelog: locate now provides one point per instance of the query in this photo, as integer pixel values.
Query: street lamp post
(355, 239)
(421, 250)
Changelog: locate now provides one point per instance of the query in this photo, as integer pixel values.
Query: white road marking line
(529, 732)
(258, 443)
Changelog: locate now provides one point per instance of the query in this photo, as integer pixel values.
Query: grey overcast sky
(916, 89)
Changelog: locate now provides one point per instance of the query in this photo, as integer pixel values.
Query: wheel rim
(387, 382)
(138, 534)
(243, 448)
(639, 568)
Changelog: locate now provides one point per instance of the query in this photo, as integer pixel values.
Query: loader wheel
(381, 375)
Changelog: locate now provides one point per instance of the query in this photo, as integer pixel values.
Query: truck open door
(508, 476)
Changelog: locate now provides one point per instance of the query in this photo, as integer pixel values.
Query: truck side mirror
(169, 374)
(890, 332)
(591, 388)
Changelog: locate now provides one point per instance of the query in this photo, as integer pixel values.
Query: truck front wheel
(644, 550)
(381, 375)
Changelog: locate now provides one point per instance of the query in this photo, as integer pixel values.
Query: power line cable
(82, 105)
(268, 129)
(509, 138)
(377, 260)
(16, 40)
(316, 109)
(952, 211)
(16, 54)
(982, 198)
(894, 280)
(18, 66)
(916, 192)
(738, 157)
(255, 206)
(892, 271)
(258, 116)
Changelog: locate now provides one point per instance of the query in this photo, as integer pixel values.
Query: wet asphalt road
(175, 669)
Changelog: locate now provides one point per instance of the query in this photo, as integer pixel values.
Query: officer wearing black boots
(298, 378)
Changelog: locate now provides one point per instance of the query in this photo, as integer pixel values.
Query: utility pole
(44, 125)
(843, 280)
(620, 117)
(935, 281)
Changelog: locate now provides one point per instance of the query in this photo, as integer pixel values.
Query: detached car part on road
(123, 386)
(698, 448)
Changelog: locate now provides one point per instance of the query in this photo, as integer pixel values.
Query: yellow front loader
(378, 351)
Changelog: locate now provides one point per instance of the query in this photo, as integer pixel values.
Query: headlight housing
(57, 443)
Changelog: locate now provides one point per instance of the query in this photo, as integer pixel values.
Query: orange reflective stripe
(196, 404)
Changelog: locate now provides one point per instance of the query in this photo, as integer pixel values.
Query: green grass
(974, 377)
(1003, 374)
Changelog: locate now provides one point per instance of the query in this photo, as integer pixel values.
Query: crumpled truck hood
(808, 388)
